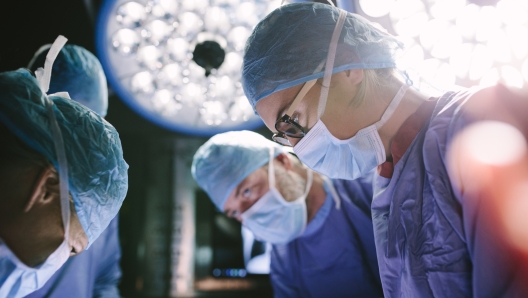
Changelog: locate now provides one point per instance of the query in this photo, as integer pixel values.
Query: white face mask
(16, 278)
(23, 280)
(346, 159)
(272, 218)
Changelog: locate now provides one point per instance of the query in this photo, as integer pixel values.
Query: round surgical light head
(178, 62)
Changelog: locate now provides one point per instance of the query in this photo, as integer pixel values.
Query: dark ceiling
(25, 25)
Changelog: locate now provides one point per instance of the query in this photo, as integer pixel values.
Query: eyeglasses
(287, 126)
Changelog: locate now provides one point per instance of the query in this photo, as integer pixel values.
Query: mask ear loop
(271, 169)
(330, 62)
(333, 192)
(309, 181)
(43, 78)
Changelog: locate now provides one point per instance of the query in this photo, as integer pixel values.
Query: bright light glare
(240, 109)
(158, 31)
(460, 61)
(525, 70)
(409, 17)
(406, 8)
(376, 8)
(498, 46)
(487, 21)
(131, 14)
(190, 24)
(273, 4)
(192, 93)
(481, 62)
(412, 26)
(431, 32)
(517, 38)
(163, 8)
(197, 5)
(164, 101)
(232, 63)
(513, 12)
(216, 20)
(196, 73)
(440, 37)
(511, 76)
(494, 143)
(150, 57)
(447, 9)
(178, 48)
(171, 75)
(225, 2)
(438, 73)
(246, 13)
(213, 112)
(142, 82)
(412, 58)
(238, 36)
(490, 78)
(125, 41)
(224, 88)
(466, 21)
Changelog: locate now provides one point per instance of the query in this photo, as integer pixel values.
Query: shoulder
(456, 110)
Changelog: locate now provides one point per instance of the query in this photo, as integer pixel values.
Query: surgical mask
(346, 159)
(17, 279)
(272, 218)
(21, 279)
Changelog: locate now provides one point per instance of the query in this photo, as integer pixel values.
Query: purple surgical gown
(431, 239)
(93, 273)
(335, 256)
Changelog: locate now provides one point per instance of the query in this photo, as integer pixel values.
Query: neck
(316, 196)
(409, 104)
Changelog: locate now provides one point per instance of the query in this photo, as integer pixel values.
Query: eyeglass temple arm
(304, 90)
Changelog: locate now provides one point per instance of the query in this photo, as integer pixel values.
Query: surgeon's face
(31, 225)
(338, 110)
(288, 182)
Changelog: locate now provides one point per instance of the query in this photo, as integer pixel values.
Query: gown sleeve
(496, 271)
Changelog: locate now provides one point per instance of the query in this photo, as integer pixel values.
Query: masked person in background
(62, 179)
(320, 229)
(326, 82)
(96, 272)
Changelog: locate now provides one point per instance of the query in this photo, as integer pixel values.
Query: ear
(44, 189)
(354, 76)
(284, 160)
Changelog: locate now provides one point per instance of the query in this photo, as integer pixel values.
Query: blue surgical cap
(228, 158)
(287, 46)
(97, 172)
(78, 72)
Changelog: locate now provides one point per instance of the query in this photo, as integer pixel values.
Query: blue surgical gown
(335, 256)
(432, 240)
(93, 273)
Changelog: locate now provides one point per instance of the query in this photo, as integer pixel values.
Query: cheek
(308, 108)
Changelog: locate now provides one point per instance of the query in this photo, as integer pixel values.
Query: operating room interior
(173, 69)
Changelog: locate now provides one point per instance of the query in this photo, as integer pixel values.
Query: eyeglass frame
(286, 118)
